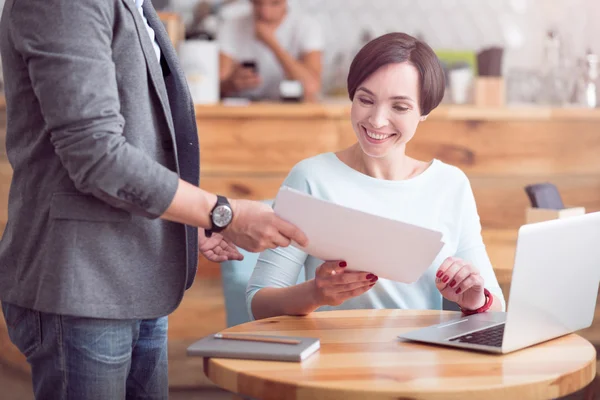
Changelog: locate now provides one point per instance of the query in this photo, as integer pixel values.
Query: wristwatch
(221, 216)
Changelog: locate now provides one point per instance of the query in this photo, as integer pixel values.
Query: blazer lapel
(182, 105)
(152, 63)
(169, 54)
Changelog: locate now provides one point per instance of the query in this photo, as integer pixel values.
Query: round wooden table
(361, 357)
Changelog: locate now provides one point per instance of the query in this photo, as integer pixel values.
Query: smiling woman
(394, 82)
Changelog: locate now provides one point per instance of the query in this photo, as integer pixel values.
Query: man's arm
(67, 46)
(226, 67)
(307, 70)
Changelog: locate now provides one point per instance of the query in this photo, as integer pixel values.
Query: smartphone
(250, 64)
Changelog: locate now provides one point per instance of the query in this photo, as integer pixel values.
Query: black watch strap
(221, 200)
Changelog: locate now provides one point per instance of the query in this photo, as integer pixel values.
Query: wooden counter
(246, 152)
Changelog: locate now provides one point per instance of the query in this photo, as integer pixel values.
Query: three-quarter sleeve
(279, 267)
(470, 245)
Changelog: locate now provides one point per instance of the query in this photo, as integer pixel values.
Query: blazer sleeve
(67, 49)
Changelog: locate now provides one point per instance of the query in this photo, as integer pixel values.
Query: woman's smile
(376, 137)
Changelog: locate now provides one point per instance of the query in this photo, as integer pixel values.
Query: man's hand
(216, 248)
(243, 78)
(265, 32)
(255, 227)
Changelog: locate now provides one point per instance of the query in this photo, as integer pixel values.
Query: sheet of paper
(387, 248)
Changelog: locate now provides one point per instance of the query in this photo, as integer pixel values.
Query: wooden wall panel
(242, 186)
(501, 201)
(505, 148)
(248, 157)
(259, 146)
(5, 178)
(207, 269)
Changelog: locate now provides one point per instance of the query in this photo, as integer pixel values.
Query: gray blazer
(98, 132)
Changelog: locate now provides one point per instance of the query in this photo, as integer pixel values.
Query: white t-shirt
(440, 198)
(297, 34)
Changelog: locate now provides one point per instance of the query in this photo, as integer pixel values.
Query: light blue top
(440, 198)
(138, 5)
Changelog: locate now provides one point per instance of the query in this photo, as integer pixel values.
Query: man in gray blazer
(104, 206)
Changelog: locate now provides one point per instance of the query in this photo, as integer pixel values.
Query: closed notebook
(212, 346)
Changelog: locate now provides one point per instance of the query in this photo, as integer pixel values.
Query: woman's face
(269, 11)
(385, 110)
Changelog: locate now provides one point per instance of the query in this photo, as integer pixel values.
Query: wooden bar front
(246, 152)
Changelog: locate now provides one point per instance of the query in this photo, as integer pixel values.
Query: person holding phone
(272, 44)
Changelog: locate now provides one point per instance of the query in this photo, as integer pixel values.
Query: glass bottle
(588, 86)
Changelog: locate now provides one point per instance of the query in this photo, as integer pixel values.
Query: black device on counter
(544, 195)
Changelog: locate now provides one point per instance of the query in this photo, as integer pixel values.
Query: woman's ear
(423, 117)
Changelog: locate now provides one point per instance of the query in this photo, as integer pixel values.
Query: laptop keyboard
(487, 337)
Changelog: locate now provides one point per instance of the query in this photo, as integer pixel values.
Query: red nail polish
(374, 279)
(370, 276)
(452, 283)
(343, 264)
(445, 279)
(438, 274)
(458, 290)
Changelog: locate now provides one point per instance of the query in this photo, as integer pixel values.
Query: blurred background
(541, 40)
(521, 107)
(546, 50)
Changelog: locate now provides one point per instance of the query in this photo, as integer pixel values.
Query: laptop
(553, 291)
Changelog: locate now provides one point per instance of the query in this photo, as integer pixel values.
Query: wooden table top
(360, 357)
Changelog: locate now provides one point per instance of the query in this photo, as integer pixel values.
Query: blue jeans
(89, 359)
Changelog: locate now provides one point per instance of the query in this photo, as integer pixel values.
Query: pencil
(255, 338)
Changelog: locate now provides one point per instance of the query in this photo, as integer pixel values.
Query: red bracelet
(489, 299)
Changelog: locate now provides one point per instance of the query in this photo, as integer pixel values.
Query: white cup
(200, 62)
(460, 84)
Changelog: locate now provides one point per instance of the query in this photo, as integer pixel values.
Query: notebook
(211, 346)
(335, 232)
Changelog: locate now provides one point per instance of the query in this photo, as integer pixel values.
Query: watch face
(222, 216)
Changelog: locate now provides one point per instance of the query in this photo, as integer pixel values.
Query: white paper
(388, 248)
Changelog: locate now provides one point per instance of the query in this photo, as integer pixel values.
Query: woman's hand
(333, 284)
(460, 282)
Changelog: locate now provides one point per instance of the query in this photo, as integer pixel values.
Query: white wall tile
(518, 25)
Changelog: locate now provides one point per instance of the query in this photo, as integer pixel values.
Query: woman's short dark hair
(393, 48)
